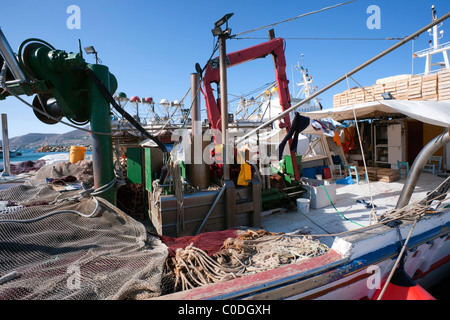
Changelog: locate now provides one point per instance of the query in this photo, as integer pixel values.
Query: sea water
(31, 155)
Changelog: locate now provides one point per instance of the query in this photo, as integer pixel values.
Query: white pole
(5, 141)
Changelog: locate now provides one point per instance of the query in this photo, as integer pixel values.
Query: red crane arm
(212, 75)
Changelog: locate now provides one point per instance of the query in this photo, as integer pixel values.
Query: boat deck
(326, 221)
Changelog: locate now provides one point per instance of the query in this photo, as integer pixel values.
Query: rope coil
(250, 252)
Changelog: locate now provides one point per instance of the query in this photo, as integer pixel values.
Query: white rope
(373, 211)
(250, 252)
(398, 259)
(83, 194)
(55, 212)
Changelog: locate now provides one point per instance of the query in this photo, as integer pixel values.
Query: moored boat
(215, 230)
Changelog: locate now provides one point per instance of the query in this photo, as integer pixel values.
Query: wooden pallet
(372, 173)
(443, 85)
(431, 87)
(388, 175)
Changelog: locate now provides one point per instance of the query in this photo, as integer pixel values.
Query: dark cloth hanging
(298, 125)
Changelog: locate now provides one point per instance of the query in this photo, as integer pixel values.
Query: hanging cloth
(245, 174)
(328, 126)
(298, 125)
(349, 143)
(337, 139)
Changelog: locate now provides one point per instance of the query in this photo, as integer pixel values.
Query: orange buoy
(402, 287)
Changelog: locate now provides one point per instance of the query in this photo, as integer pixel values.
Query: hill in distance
(36, 140)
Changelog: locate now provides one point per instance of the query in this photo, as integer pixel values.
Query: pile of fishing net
(82, 171)
(249, 252)
(26, 166)
(73, 245)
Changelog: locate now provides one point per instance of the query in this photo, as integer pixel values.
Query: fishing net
(60, 245)
(74, 245)
(249, 252)
(26, 166)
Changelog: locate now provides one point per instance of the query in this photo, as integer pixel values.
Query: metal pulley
(49, 106)
(65, 77)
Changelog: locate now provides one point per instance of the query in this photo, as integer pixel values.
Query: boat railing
(440, 47)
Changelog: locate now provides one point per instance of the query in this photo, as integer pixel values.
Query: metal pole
(102, 155)
(197, 170)
(196, 107)
(9, 57)
(224, 104)
(211, 209)
(416, 169)
(6, 163)
(342, 78)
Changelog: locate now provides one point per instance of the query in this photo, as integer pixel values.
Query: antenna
(435, 47)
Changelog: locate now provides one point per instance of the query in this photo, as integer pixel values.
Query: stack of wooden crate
(388, 175)
(380, 174)
(443, 85)
(378, 90)
(430, 87)
(356, 95)
(415, 88)
(340, 99)
(370, 94)
(391, 88)
(372, 173)
(337, 100)
(401, 87)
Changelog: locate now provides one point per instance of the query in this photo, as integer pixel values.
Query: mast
(435, 47)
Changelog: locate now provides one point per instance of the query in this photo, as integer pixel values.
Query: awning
(431, 112)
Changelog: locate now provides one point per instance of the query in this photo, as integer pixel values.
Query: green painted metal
(64, 71)
(101, 122)
(272, 197)
(288, 164)
(134, 164)
(62, 75)
(148, 169)
(183, 170)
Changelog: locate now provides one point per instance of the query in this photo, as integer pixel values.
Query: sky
(152, 46)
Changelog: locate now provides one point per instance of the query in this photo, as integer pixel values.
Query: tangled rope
(250, 252)
(429, 204)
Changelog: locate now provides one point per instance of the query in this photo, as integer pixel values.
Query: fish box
(320, 192)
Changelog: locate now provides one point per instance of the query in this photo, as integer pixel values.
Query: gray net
(58, 245)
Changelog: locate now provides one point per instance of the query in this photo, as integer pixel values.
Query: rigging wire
(51, 117)
(373, 211)
(326, 38)
(238, 97)
(300, 16)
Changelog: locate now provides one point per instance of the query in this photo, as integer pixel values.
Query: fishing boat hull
(356, 267)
